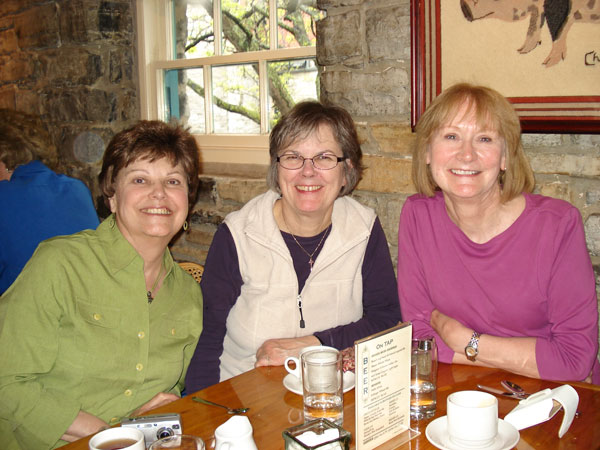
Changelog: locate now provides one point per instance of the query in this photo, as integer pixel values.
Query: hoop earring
(185, 225)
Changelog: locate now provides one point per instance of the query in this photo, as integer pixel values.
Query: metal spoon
(513, 387)
(229, 410)
(503, 393)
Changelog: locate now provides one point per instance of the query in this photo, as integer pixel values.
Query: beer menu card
(382, 392)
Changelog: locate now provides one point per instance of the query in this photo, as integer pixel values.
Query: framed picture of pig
(543, 55)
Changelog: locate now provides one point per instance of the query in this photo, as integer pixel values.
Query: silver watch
(472, 350)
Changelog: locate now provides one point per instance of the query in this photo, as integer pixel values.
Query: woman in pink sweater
(501, 277)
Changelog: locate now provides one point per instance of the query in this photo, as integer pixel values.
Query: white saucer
(437, 434)
(292, 383)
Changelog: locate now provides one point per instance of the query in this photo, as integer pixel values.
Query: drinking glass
(322, 385)
(423, 378)
(179, 442)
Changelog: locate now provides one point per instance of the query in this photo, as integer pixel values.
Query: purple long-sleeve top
(221, 286)
(534, 279)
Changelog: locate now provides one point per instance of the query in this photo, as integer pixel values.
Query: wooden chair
(194, 269)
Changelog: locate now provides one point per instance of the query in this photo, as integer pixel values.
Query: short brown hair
(152, 140)
(491, 109)
(306, 118)
(25, 138)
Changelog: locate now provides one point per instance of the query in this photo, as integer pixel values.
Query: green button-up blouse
(77, 333)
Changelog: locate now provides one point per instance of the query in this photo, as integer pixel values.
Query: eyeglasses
(324, 161)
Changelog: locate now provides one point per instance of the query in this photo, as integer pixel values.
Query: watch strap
(472, 348)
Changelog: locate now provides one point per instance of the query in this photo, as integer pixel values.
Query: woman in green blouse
(102, 324)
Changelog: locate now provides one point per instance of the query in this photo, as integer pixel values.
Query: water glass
(322, 385)
(423, 378)
(179, 442)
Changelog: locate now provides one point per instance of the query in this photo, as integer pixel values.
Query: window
(216, 66)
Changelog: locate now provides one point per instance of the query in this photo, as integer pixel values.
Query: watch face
(470, 351)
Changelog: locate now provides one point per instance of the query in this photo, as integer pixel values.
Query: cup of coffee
(322, 385)
(423, 378)
(296, 371)
(472, 418)
(178, 442)
(118, 438)
(235, 434)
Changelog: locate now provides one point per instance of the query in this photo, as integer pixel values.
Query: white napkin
(537, 407)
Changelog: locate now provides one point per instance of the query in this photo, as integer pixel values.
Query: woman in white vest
(302, 264)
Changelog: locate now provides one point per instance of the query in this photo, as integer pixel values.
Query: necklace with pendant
(150, 293)
(310, 255)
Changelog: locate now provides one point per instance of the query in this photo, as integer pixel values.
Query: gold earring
(185, 225)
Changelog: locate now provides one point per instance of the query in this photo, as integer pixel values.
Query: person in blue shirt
(36, 203)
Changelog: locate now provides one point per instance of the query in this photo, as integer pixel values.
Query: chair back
(194, 269)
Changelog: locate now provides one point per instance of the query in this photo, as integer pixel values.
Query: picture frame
(550, 96)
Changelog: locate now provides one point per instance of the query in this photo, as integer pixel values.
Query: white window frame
(155, 44)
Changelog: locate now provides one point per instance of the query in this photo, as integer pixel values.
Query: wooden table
(273, 409)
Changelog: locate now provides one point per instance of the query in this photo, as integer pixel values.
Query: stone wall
(363, 53)
(72, 63)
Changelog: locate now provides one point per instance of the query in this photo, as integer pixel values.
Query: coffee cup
(125, 438)
(472, 418)
(297, 371)
(235, 434)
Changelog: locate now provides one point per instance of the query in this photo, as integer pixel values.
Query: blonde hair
(491, 109)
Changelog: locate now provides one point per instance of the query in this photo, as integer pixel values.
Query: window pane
(235, 99)
(194, 35)
(296, 19)
(184, 98)
(290, 82)
(245, 25)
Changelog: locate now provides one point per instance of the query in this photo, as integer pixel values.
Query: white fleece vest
(267, 307)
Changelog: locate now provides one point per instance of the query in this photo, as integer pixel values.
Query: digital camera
(155, 427)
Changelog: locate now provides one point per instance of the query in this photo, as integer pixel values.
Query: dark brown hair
(304, 119)
(152, 140)
(25, 138)
(492, 110)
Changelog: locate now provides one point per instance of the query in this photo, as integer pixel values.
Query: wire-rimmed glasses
(322, 161)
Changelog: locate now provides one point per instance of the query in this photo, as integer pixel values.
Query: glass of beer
(322, 385)
(423, 378)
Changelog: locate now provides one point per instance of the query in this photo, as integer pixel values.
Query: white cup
(118, 438)
(235, 434)
(472, 418)
(297, 372)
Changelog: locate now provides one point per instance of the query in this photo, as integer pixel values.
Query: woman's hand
(273, 352)
(453, 333)
(83, 425)
(160, 399)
